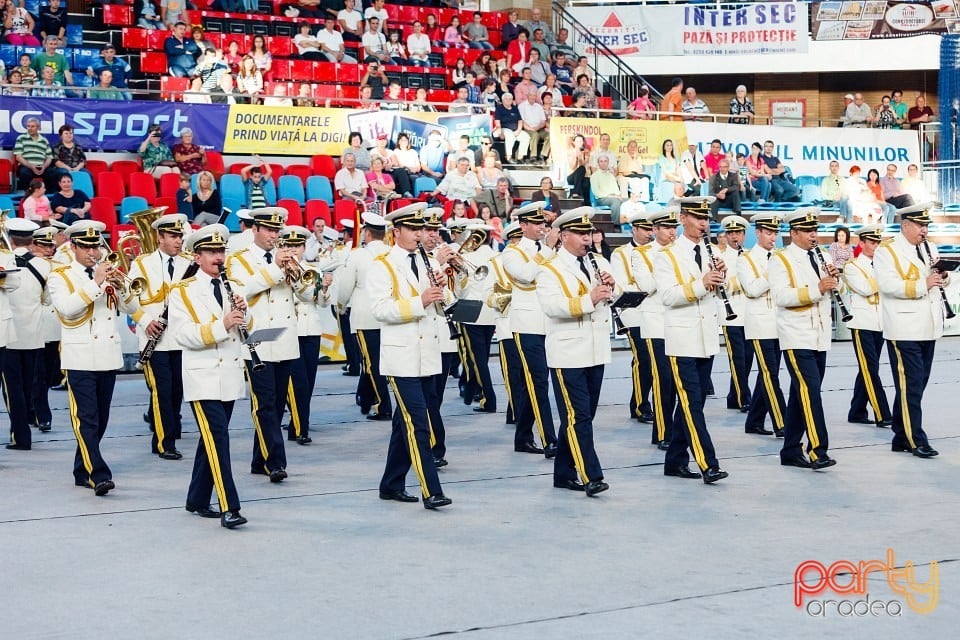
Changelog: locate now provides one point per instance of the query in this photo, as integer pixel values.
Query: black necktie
(170, 267)
(268, 257)
(538, 246)
(216, 291)
(696, 257)
(768, 255)
(813, 262)
(89, 271)
(413, 266)
(920, 255)
(583, 267)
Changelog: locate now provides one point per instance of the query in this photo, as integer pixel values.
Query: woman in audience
(16, 78)
(840, 249)
(550, 86)
(669, 164)
(156, 156)
(406, 160)
(382, 186)
(452, 37)
(503, 83)
(434, 31)
(359, 151)
(190, 157)
(67, 154)
(578, 161)
(876, 190)
(545, 194)
(459, 75)
(488, 173)
(759, 173)
(69, 205)
(741, 107)
(18, 25)
(486, 214)
(250, 80)
(202, 43)
(233, 57)
(481, 66)
(146, 14)
(600, 244)
(400, 177)
(262, 56)
(207, 205)
(36, 205)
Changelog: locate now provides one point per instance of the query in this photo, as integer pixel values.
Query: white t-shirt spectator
(351, 18)
(330, 39)
(418, 46)
(532, 115)
(373, 13)
(375, 42)
(356, 183)
(297, 39)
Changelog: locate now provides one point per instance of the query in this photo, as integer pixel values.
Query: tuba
(143, 240)
(500, 298)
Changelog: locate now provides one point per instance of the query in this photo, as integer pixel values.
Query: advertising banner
(696, 30)
(864, 20)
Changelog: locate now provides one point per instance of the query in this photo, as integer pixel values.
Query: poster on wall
(879, 19)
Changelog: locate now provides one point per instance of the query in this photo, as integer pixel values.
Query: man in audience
(461, 184)
(331, 42)
(376, 10)
(53, 20)
(560, 44)
(918, 115)
(374, 43)
(913, 184)
(673, 100)
(418, 46)
(711, 161)
(692, 170)
(500, 199)
(564, 73)
(56, 61)
(899, 108)
(507, 120)
(847, 101)
(536, 22)
(893, 191)
(47, 87)
(432, 155)
(119, 69)
(510, 30)
(631, 175)
(539, 69)
(225, 92)
(605, 190)
(539, 44)
(782, 189)
(693, 107)
(603, 149)
(350, 20)
(476, 33)
(833, 189)
(525, 86)
(209, 68)
(858, 114)
(725, 187)
(182, 52)
(350, 182)
(535, 124)
(34, 156)
(462, 102)
(105, 90)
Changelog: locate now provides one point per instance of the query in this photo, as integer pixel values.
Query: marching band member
(865, 327)
(261, 269)
(478, 335)
(308, 303)
(351, 348)
(912, 304)
(624, 262)
(522, 262)
(48, 373)
(406, 300)
(664, 223)
(88, 297)
(760, 328)
(8, 282)
(203, 323)
(510, 365)
(801, 293)
(64, 252)
(687, 280)
(352, 292)
(25, 348)
(575, 291)
(317, 242)
(162, 373)
(741, 358)
(242, 240)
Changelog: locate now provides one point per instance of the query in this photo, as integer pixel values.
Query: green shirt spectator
(50, 58)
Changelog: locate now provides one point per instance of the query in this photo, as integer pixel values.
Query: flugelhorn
(119, 279)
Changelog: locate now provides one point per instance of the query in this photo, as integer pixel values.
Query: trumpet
(295, 273)
(119, 279)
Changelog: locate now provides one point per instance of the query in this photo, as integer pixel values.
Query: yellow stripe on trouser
(375, 408)
(411, 440)
(768, 385)
(75, 421)
(688, 415)
(659, 419)
(865, 372)
(471, 356)
(530, 390)
(635, 373)
(805, 401)
(506, 377)
(571, 431)
(292, 401)
(151, 381)
(212, 457)
(254, 406)
(734, 374)
(904, 405)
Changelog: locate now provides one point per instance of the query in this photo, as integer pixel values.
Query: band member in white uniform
(739, 356)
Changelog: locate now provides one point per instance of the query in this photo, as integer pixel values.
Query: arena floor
(512, 558)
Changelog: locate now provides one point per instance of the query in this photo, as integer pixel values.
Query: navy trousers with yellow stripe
(805, 405)
(47, 374)
(303, 376)
(741, 361)
(350, 348)
(691, 377)
(410, 437)
(19, 369)
(533, 403)
(268, 388)
(664, 391)
(211, 466)
(867, 388)
(641, 372)
(512, 370)
(476, 340)
(433, 395)
(90, 394)
(164, 377)
(911, 362)
(578, 393)
(767, 394)
(372, 386)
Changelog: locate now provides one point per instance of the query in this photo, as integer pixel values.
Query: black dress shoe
(779, 432)
(646, 416)
(278, 475)
(925, 451)
(379, 416)
(572, 485)
(467, 398)
(440, 462)
(800, 462)
(203, 512)
(104, 487)
(663, 445)
(508, 421)
(760, 431)
(862, 420)
(822, 463)
(745, 409)
(172, 454)
(44, 426)
(437, 501)
(550, 451)
(146, 417)
(594, 487)
(232, 519)
(713, 474)
(18, 447)
(82, 483)
(885, 424)
(483, 410)
(304, 440)
(352, 374)
(681, 472)
(399, 496)
(527, 447)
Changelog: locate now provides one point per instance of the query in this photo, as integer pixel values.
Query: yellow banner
(649, 135)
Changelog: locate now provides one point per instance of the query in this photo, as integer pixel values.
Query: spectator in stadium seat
(382, 185)
(757, 172)
(396, 50)
(350, 182)
(418, 46)
(642, 107)
(899, 108)
(434, 31)
(452, 36)
(463, 150)
(922, 114)
(473, 91)
(583, 69)
(876, 190)
(518, 53)
(67, 154)
(462, 102)
(692, 170)
(36, 205)
(375, 78)
(578, 107)
(47, 87)
(249, 81)
(711, 161)
(206, 202)
(673, 101)
(376, 10)
(331, 42)
(832, 188)
(536, 22)
(586, 87)
(261, 55)
(156, 156)
(400, 177)
(232, 56)
(669, 165)
(725, 187)
(404, 160)
(539, 44)
(350, 21)
(172, 12)
(741, 107)
(303, 9)
(432, 155)
(358, 150)
(550, 86)
(52, 20)
(69, 205)
(489, 170)
(782, 189)
(146, 15)
(226, 92)
(374, 43)
(105, 90)
(255, 177)
(118, 67)
(847, 101)
(476, 33)
(693, 107)
(534, 120)
(181, 52)
(191, 158)
(631, 173)
(210, 67)
(606, 190)
(509, 125)
(305, 97)
(458, 75)
(460, 184)
(49, 58)
(196, 93)
(27, 72)
(545, 194)
(560, 44)
(503, 83)
(511, 29)
(420, 103)
(203, 43)
(393, 101)
(858, 114)
(913, 184)
(18, 25)
(539, 70)
(886, 117)
(525, 86)
(366, 98)
(893, 191)
(485, 66)
(308, 47)
(16, 78)
(547, 101)
(498, 200)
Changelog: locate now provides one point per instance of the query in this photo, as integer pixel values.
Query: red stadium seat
(172, 88)
(134, 37)
(110, 186)
(301, 70)
(152, 61)
(295, 216)
(6, 176)
(325, 72)
(276, 170)
(169, 203)
(343, 210)
(102, 210)
(317, 209)
(407, 14)
(323, 166)
(302, 171)
(280, 69)
(95, 168)
(169, 184)
(155, 39)
(237, 167)
(125, 168)
(117, 14)
(143, 185)
(280, 46)
(215, 164)
(348, 73)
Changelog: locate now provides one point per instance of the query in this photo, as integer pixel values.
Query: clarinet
(845, 315)
(432, 276)
(949, 313)
(721, 290)
(242, 327)
(152, 342)
(619, 328)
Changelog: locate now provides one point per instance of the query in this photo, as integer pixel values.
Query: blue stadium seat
(423, 184)
(810, 193)
(232, 221)
(319, 188)
(231, 187)
(595, 205)
(9, 55)
(82, 181)
(74, 35)
(953, 206)
(803, 181)
(664, 191)
(6, 204)
(83, 58)
(131, 204)
(291, 187)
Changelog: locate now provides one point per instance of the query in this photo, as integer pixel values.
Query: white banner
(809, 150)
(696, 30)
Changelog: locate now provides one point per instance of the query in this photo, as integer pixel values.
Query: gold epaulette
(887, 242)
(644, 247)
(777, 251)
(182, 283)
(62, 267)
